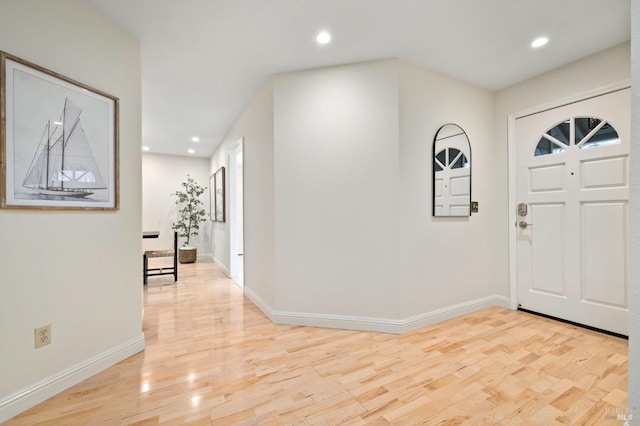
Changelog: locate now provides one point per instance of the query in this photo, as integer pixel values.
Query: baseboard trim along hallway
(379, 325)
(52, 385)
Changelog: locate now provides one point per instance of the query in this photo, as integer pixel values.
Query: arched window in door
(580, 132)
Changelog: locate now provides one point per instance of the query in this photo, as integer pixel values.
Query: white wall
(163, 175)
(356, 243)
(255, 127)
(79, 271)
(456, 254)
(336, 178)
(352, 237)
(634, 218)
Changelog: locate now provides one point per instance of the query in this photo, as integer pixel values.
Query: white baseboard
(259, 302)
(380, 325)
(12, 405)
(450, 312)
(222, 267)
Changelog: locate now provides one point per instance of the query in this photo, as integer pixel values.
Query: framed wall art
(58, 141)
(219, 195)
(212, 207)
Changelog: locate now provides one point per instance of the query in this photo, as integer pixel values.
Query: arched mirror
(451, 172)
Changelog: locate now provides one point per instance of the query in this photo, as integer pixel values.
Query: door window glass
(583, 132)
(545, 146)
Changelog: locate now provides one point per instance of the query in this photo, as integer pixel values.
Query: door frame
(512, 172)
(233, 213)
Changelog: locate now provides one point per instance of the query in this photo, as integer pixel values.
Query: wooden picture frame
(212, 208)
(219, 195)
(58, 141)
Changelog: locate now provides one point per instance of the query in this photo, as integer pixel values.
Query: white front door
(572, 186)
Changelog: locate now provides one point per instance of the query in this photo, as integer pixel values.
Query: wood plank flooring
(212, 358)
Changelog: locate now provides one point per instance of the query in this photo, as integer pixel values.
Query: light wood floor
(213, 358)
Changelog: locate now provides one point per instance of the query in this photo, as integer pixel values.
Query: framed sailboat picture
(58, 141)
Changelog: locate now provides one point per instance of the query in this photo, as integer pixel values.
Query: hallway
(213, 358)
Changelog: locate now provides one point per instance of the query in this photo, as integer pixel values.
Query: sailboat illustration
(63, 164)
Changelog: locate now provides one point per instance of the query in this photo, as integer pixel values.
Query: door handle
(522, 224)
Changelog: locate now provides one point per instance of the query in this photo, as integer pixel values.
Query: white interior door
(572, 190)
(236, 215)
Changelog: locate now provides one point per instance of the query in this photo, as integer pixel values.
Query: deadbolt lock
(522, 209)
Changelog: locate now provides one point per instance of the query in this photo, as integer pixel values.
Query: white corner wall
(163, 175)
(634, 219)
(336, 165)
(448, 266)
(255, 127)
(79, 271)
(342, 197)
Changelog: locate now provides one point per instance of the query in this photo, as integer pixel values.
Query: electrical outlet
(43, 336)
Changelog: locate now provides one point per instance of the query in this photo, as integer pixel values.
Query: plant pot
(187, 254)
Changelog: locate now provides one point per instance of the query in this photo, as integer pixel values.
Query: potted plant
(190, 214)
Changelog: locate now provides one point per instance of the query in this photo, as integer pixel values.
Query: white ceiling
(203, 60)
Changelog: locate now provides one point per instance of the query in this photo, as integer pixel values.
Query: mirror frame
(433, 170)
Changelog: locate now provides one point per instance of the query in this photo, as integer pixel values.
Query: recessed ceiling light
(191, 151)
(323, 37)
(539, 42)
(195, 139)
(145, 148)
(57, 123)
